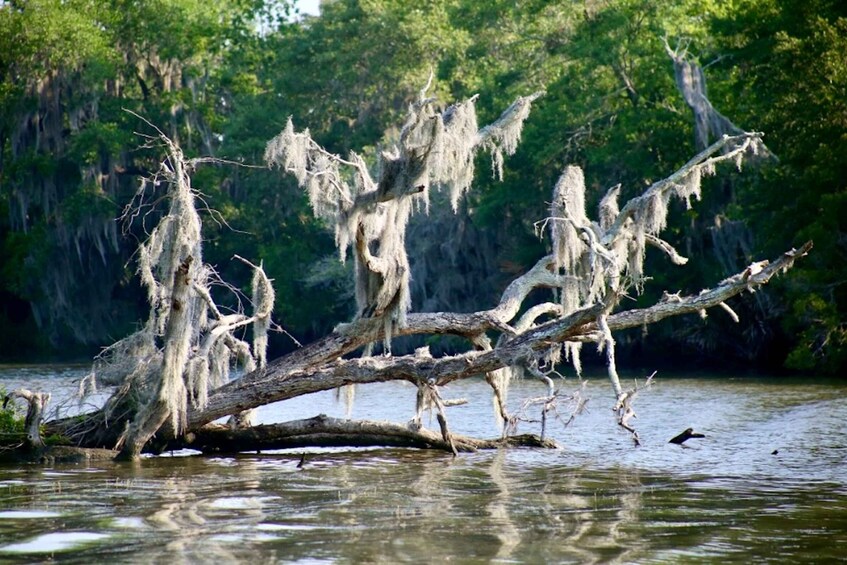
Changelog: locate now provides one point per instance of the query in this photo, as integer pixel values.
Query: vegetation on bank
(13, 427)
(221, 80)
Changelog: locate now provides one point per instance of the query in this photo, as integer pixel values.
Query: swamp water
(726, 498)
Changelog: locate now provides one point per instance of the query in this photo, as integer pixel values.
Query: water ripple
(598, 499)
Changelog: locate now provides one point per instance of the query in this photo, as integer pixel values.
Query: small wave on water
(53, 543)
(27, 514)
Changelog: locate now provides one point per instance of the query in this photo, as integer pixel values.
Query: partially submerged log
(52, 454)
(323, 431)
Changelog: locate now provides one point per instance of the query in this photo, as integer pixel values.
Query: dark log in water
(323, 431)
(685, 436)
(50, 455)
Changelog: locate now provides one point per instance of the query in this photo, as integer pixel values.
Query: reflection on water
(53, 543)
(599, 499)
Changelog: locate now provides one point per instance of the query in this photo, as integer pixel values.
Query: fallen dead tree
(175, 370)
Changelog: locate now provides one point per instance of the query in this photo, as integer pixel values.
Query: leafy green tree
(788, 65)
(68, 152)
(613, 108)
(54, 60)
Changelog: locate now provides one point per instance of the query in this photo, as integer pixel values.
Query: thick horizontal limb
(276, 384)
(250, 391)
(349, 337)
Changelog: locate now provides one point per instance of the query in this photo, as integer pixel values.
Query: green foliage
(12, 430)
(13, 427)
(611, 107)
(98, 139)
(823, 340)
(69, 156)
(10, 421)
(350, 74)
(789, 73)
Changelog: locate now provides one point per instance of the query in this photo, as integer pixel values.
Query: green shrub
(11, 423)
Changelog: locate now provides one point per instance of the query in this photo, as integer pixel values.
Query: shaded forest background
(222, 78)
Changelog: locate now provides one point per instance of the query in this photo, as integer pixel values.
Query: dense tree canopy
(222, 79)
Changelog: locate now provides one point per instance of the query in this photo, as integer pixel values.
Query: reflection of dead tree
(498, 509)
(593, 264)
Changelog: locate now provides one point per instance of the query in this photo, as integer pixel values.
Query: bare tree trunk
(177, 340)
(319, 366)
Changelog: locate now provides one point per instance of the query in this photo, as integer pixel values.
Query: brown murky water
(598, 499)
